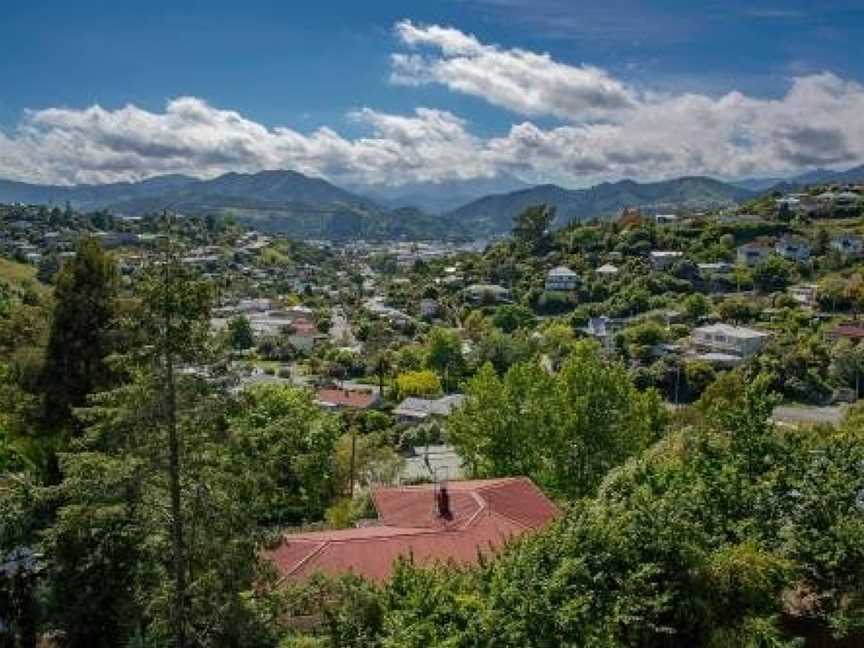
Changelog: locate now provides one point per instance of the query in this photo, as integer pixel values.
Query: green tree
(772, 273)
(531, 228)
(445, 356)
(418, 383)
(289, 443)
(510, 317)
(151, 502)
(564, 430)
(240, 334)
(82, 336)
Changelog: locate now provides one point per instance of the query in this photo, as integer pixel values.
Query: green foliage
(288, 444)
(510, 317)
(445, 356)
(531, 227)
(418, 383)
(82, 335)
(564, 430)
(240, 334)
(773, 273)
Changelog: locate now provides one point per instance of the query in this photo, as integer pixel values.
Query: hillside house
(561, 278)
(662, 259)
(725, 338)
(848, 244)
(456, 522)
(331, 398)
(804, 294)
(751, 254)
(852, 330)
(418, 410)
(665, 219)
(486, 293)
(793, 249)
(607, 270)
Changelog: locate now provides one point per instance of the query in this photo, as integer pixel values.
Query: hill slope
(493, 215)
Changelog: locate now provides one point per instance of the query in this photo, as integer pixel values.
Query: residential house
(459, 522)
(793, 249)
(346, 399)
(561, 278)
(603, 329)
(848, 244)
(725, 338)
(662, 259)
(490, 293)
(750, 254)
(719, 267)
(607, 270)
(418, 410)
(851, 330)
(665, 219)
(804, 294)
(429, 308)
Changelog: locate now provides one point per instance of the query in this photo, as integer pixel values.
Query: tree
(418, 383)
(289, 444)
(240, 334)
(847, 365)
(563, 430)
(445, 356)
(531, 228)
(772, 273)
(381, 365)
(152, 485)
(510, 317)
(82, 336)
(696, 306)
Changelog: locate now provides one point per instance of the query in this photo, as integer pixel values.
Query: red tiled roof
(849, 330)
(304, 327)
(485, 514)
(346, 398)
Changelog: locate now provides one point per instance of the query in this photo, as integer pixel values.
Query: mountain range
(307, 207)
(816, 176)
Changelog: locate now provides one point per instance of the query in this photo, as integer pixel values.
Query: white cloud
(525, 82)
(607, 129)
(190, 136)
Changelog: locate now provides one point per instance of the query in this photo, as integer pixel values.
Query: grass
(17, 274)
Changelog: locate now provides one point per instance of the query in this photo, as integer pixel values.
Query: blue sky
(305, 66)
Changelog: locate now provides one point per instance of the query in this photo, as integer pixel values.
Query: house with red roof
(432, 523)
(352, 399)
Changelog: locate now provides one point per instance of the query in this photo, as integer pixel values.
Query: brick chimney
(442, 502)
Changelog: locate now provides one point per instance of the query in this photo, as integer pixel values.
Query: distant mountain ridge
(816, 176)
(493, 214)
(306, 207)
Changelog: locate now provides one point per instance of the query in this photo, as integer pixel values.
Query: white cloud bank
(607, 129)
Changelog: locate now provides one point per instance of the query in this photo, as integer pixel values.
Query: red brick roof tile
(485, 514)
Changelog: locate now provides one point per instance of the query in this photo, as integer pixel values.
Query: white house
(804, 294)
(561, 278)
(793, 248)
(665, 219)
(751, 254)
(719, 267)
(662, 259)
(725, 338)
(607, 270)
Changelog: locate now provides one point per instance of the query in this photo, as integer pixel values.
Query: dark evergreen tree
(81, 336)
